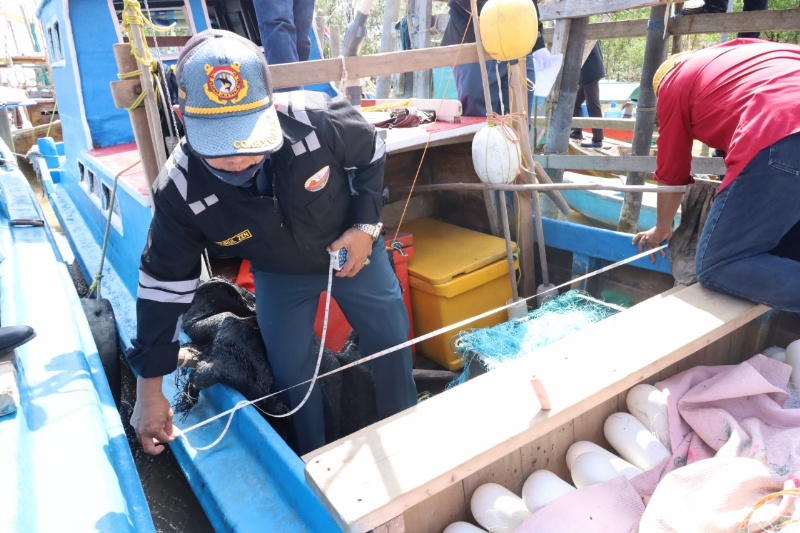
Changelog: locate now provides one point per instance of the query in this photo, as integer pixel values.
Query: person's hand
(152, 416)
(359, 247)
(650, 239)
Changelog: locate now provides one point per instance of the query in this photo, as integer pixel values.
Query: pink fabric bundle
(728, 423)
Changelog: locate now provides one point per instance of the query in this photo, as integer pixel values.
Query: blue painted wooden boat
(604, 207)
(250, 481)
(66, 461)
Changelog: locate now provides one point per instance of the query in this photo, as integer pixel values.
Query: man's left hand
(359, 247)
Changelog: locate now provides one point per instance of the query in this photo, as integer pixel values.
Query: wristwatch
(373, 230)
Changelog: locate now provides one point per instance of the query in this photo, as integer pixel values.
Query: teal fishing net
(486, 348)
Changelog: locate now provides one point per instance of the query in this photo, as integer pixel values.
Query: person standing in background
(284, 26)
(592, 71)
(468, 77)
(721, 6)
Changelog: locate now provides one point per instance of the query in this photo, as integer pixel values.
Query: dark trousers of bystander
(590, 93)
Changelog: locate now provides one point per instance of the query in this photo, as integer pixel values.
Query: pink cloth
(606, 507)
(725, 412)
(732, 411)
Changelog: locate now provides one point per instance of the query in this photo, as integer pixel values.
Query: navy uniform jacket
(303, 202)
(461, 20)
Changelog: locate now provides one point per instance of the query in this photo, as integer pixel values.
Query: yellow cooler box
(455, 274)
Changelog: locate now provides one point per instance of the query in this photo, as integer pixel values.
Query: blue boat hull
(66, 461)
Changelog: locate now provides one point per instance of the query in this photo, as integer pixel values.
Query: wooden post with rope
(125, 93)
(133, 17)
(525, 261)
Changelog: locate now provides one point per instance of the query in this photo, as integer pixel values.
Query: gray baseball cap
(225, 96)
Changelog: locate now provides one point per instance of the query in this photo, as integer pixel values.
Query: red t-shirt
(739, 97)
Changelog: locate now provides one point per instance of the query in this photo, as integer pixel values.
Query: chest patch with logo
(319, 180)
(236, 239)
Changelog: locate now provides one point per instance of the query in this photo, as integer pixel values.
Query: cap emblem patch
(225, 84)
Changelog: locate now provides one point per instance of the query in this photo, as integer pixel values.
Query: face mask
(237, 179)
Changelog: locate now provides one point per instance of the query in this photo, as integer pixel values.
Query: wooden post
(5, 128)
(655, 48)
(419, 22)
(391, 11)
(150, 105)
(676, 39)
(336, 42)
(142, 132)
(320, 21)
(519, 104)
(561, 118)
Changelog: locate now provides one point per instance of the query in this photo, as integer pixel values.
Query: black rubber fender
(100, 315)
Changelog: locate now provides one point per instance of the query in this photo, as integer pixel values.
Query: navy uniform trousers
(372, 302)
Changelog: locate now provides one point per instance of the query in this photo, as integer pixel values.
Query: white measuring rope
(402, 345)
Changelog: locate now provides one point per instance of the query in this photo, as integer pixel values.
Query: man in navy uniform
(272, 187)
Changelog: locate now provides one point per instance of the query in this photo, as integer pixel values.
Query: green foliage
(624, 57)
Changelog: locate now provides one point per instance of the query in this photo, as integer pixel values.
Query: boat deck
(123, 160)
(66, 462)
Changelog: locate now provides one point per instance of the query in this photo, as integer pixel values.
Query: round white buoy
(634, 442)
(620, 465)
(793, 359)
(649, 406)
(775, 352)
(591, 468)
(498, 509)
(543, 487)
(495, 153)
(463, 527)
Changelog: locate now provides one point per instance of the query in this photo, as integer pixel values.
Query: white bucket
(544, 292)
(518, 310)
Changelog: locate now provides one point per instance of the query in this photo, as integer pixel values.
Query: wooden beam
(595, 122)
(23, 60)
(772, 20)
(376, 474)
(325, 70)
(624, 163)
(125, 92)
(561, 9)
(165, 41)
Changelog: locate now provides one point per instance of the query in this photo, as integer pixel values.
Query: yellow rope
(391, 105)
(780, 522)
(132, 16)
(136, 103)
(131, 74)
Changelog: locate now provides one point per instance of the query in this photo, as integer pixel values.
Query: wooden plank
(374, 475)
(768, 20)
(624, 163)
(596, 122)
(772, 20)
(560, 9)
(125, 92)
(396, 525)
(324, 70)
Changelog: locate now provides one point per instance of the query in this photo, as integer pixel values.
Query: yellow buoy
(495, 153)
(509, 28)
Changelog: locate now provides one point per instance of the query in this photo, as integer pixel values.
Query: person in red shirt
(741, 97)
